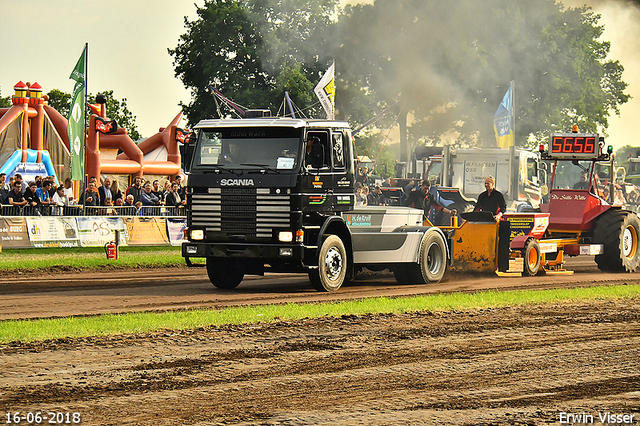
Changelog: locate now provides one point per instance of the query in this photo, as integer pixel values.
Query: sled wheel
(532, 256)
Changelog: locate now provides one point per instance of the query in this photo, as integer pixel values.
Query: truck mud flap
(504, 240)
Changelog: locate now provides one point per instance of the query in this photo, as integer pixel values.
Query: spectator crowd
(44, 196)
(367, 193)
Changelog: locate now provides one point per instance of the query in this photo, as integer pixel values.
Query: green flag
(76, 127)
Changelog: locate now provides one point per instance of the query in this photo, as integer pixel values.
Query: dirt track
(499, 366)
(67, 293)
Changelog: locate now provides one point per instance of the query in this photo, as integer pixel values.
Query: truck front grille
(250, 212)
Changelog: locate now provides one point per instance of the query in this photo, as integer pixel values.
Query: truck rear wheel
(531, 255)
(618, 231)
(432, 263)
(332, 265)
(223, 276)
(433, 258)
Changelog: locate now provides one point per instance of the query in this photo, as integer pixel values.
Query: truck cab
(278, 194)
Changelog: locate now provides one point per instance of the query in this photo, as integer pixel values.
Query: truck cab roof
(270, 122)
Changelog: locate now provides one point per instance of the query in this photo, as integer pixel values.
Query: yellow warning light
(575, 128)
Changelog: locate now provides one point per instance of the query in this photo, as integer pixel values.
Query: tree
(252, 51)
(60, 101)
(624, 152)
(116, 110)
(5, 102)
(450, 63)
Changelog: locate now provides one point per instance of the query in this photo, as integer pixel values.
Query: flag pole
(513, 109)
(86, 96)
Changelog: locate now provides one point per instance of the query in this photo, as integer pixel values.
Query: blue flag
(503, 121)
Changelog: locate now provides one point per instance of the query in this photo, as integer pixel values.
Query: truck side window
(338, 151)
(321, 150)
(532, 171)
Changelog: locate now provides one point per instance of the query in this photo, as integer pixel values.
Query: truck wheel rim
(629, 242)
(333, 263)
(434, 258)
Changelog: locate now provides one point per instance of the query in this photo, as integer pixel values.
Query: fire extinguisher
(111, 248)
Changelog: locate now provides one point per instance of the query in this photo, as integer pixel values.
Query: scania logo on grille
(236, 182)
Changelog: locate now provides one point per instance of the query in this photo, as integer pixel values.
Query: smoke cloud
(621, 19)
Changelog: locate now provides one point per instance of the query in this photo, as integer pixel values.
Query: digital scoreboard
(574, 145)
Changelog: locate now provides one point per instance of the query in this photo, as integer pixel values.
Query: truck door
(342, 167)
(532, 185)
(317, 181)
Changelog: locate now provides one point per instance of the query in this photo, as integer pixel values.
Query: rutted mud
(515, 366)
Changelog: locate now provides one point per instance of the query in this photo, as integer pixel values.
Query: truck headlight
(285, 236)
(197, 234)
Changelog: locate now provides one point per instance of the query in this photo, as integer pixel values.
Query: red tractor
(582, 219)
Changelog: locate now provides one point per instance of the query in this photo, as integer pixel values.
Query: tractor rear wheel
(619, 232)
(531, 255)
(222, 275)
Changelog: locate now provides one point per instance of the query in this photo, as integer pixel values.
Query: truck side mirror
(186, 152)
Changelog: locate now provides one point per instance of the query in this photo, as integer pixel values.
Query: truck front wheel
(332, 265)
(223, 276)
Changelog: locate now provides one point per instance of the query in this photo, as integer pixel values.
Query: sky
(41, 40)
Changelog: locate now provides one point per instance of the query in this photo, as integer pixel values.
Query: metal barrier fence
(147, 211)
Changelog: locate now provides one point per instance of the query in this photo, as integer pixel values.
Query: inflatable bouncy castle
(33, 136)
(34, 141)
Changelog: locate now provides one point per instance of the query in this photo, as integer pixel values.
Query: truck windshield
(247, 148)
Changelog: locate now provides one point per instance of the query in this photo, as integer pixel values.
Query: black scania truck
(255, 205)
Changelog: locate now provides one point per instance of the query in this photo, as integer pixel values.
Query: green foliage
(450, 63)
(145, 322)
(117, 110)
(623, 152)
(252, 51)
(295, 82)
(91, 258)
(5, 102)
(446, 64)
(60, 101)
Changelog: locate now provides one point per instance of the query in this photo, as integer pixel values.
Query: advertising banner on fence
(96, 231)
(146, 231)
(175, 230)
(13, 233)
(48, 232)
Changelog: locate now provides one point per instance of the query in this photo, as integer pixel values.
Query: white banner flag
(326, 92)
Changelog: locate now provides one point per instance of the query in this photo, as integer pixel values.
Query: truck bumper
(280, 252)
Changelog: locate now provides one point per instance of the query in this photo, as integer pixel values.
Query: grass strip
(90, 258)
(132, 323)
